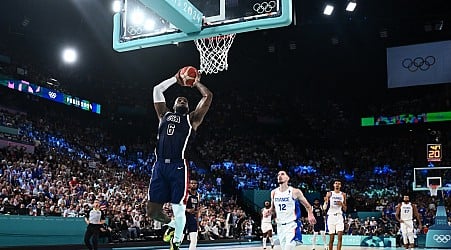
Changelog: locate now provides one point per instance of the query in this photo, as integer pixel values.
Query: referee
(95, 220)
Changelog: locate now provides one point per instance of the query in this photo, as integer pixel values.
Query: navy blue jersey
(191, 219)
(175, 134)
(319, 214)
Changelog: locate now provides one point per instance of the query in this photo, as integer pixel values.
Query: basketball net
(213, 53)
(433, 190)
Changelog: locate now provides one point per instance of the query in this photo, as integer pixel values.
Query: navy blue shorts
(169, 182)
(191, 223)
(319, 226)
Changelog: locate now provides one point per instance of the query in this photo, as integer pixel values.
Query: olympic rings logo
(418, 63)
(52, 95)
(264, 7)
(134, 30)
(441, 238)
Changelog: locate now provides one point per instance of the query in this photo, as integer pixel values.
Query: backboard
(423, 177)
(149, 23)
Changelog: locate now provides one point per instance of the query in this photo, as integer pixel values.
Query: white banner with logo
(419, 64)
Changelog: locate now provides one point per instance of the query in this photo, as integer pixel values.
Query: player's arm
(398, 210)
(300, 196)
(197, 116)
(159, 101)
(344, 205)
(273, 208)
(417, 215)
(326, 201)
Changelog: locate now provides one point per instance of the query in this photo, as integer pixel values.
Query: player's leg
(157, 195)
(294, 235)
(323, 236)
(270, 238)
(193, 240)
(265, 235)
(405, 239)
(331, 227)
(339, 229)
(410, 233)
(282, 236)
(179, 186)
(315, 233)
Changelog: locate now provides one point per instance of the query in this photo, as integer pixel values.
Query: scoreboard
(434, 152)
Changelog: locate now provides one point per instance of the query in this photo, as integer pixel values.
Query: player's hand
(311, 218)
(179, 79)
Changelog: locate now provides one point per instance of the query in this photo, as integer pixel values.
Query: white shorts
(289, 234)
(335, 223)
(266, 227)
(407, 226)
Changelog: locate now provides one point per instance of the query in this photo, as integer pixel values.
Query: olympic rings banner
(419, 64)
(438, 238)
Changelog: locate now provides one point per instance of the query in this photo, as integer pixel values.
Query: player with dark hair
(335, 204)
(320, 226)
(286, 204)
(170, 173)
(266, 224)
(405, 212)
(192, 214)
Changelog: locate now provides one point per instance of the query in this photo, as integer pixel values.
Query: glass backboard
(149, 23)
(422, 177)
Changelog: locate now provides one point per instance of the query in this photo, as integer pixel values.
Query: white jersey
(266, 215)
(406, 211)
(287, 208)
(333, 207)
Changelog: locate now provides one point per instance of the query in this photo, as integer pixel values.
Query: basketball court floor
(258, 246)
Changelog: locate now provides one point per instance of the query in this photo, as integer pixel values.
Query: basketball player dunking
(169, 179)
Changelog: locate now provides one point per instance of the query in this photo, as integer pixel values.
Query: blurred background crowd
(63, 158)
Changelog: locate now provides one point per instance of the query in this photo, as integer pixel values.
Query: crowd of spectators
(77, 158)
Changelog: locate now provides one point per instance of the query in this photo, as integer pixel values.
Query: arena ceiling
(38, 29)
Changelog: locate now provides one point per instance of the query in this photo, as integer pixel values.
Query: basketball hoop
(213, 53)
(433, 190)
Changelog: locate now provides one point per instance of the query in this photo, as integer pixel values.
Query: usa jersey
(287, 208)
(406, 211)
(334, 208)
(175, 134)
(318, 212)
(193, 201)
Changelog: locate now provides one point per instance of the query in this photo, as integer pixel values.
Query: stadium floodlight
(69, 55)
(351, 5)
(328, 10)
(117, 6)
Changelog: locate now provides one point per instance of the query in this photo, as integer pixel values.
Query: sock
(314, 239)
(264, 242)
(272, 241)
(323, 235)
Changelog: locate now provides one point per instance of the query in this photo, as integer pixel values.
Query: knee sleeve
(180, 220)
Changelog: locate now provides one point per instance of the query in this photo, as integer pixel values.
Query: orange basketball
(189, 75)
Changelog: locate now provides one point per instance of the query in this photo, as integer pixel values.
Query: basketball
(189, 75)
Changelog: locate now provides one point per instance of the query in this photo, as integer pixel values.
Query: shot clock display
(52, 95)
(434, 152)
